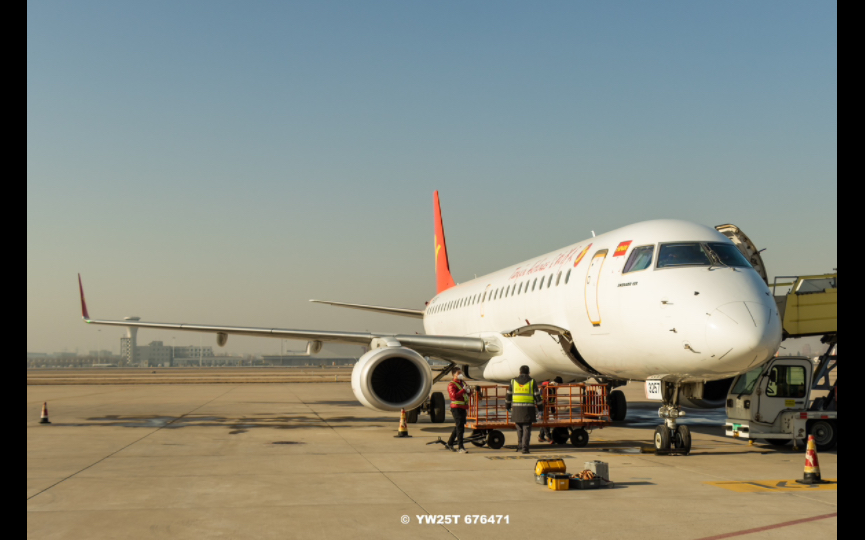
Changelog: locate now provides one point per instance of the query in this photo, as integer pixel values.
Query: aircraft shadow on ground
(235, 425)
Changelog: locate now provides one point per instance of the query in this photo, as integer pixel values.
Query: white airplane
(669, 302)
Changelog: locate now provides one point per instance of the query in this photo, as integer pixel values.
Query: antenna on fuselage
(593, 233)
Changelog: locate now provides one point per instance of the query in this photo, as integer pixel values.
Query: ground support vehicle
(773, 402)
(571, 410)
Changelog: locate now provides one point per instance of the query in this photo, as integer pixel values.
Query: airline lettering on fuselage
(543, 265)
(627, 284)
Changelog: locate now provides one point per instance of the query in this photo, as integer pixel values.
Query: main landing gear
(434, 406)
(669, 437)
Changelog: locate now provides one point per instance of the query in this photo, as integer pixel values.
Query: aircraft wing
(468, 349)
(403, 312)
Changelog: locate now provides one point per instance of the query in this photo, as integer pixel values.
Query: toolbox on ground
(544, 466)
(577, 483)
(599, 468)
(541, 479)
(557, 481)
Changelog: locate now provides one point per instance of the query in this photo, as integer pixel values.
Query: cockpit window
(640, 259)
(729, 254)
(683, 254)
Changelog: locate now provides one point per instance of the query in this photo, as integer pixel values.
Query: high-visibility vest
(523, 394)
(465, 400)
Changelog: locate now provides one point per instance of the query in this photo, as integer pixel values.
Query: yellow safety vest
(465, 400)
(523, 394)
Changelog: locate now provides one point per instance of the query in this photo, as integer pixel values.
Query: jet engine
(392, 378)
(713, 395)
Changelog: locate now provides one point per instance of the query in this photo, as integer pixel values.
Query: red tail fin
(444, 280)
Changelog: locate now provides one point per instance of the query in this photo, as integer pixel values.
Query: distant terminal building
(157, 354)
(299, 361)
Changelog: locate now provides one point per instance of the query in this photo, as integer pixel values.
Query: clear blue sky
(222, 162)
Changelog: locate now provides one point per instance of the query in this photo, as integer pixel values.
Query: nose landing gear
(670, 438)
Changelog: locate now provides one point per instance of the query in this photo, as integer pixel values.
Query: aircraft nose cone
(742, 334)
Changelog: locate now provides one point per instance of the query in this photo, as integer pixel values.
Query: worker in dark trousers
(547, 433)
(523, 398)
(459, 392)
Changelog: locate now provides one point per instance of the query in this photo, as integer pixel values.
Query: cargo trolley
(569, 409)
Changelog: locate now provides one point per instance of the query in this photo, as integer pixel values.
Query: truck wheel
(495, 439)
(662, 438)
(579, 437)
(412, 416)
(618, 406)
(684, 438)
(437, 408)
(559, 435)
(824, 432)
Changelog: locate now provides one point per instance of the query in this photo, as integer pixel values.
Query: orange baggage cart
(569, 409)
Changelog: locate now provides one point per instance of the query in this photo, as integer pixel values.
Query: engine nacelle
(392, 378)
(712, 396)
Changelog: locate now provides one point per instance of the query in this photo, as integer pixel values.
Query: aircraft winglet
(84, 314)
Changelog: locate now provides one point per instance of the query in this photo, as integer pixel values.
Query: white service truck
(772, 402)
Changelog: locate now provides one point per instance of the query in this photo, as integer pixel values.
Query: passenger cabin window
(787, 382)
(519, 288)
(549, 281)
(567, 275)
(533, 283)
(683, 254)
(558, 276)
(640, 259)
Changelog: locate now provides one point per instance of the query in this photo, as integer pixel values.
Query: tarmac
(239, 459)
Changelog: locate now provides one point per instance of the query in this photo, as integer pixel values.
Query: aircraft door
(590, 291)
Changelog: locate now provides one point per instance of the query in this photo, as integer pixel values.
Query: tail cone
(44, 418)
(811, 471)
(402, 431)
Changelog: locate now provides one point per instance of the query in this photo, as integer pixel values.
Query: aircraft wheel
(684, 438)
(662, 438)
(618, 406)
(437, 408)
(579, 437)
(495, 439)
(412, 416)
(559, 435)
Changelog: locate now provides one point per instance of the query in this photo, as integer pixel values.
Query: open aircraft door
(746, 247)
(590, 290)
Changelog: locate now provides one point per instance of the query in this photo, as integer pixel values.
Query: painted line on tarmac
(769, 527)
(770, 486)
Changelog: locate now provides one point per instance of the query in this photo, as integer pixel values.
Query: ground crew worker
(459, 392)
(546, 432)
(524, 397)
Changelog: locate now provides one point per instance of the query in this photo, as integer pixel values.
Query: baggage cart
(570, 410)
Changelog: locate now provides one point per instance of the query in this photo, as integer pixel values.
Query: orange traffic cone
(402, 431)
(44, 418)
(812, 471)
